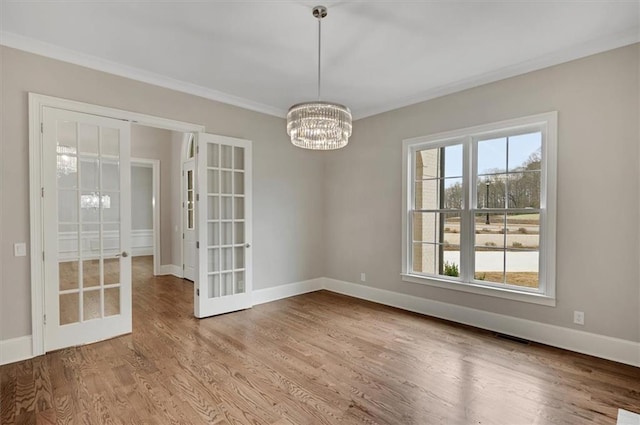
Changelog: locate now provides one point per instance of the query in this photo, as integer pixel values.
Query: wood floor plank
(319, 358)
(7, 394)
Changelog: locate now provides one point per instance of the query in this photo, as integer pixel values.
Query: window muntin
(477, 208)
(190, 201)
(508, 182)
(437, 196)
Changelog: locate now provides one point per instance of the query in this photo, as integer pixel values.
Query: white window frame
(547, 123)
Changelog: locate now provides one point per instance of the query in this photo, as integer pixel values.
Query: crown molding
(88, 61)
(556, 58)
(41, 48)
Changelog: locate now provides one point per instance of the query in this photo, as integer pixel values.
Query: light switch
(20, 249)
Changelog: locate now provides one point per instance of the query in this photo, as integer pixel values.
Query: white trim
(170, 269)
(15, 349)
(602, 346)
(104, 111)
(141, 252)
(266, 295)
(186, 137)
(473, 288)
(586, 49)
(41, 48)
(626, 417)
(93, 62)
(141, 243)
(547, 123)
(37, 103)
(36, 214)
(184, 211)
(205, 303)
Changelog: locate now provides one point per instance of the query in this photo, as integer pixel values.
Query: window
(191, 147)
(479, 209)
(190, 200)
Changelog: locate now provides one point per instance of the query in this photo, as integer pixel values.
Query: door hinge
(182, 173)
(183, 205)
(45, 319)
(197, 196)
(183, 236)
(197, 149)
(42, 255)
(183, 267)
(197, 245)
(41, 127)
(42, 192)
(198, 292)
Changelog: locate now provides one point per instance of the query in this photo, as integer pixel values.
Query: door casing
(37, 103)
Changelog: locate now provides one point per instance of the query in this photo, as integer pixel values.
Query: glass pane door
(92, 205)
(224, 239)
(226, 248)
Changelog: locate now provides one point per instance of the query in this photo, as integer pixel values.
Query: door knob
(124, 254)
(247, 245)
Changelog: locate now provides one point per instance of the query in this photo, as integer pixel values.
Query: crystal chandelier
(92, 201)
(319, 125)
(67, 163)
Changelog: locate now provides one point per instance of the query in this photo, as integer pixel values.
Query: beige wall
(141, 197)
(288, 236)
(156, 143)
(338, 214)
(598, 191)
(176, 197)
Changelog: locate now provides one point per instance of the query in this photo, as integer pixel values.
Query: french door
(189, 220)
(224, 225)
(87, 227)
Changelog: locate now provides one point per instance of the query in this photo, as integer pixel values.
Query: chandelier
(93, 200)
(67, 162)
(319, 125)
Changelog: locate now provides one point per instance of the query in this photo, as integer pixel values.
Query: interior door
(189, 220)
(224, 225)
(87, 228)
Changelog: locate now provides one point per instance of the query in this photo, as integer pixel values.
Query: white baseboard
(261, 296)
(627, 418)
(143, 251)
(605, 347)
(170, 269)
(15, 349)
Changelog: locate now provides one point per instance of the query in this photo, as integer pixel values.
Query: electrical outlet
(578, 317)
(363, 277)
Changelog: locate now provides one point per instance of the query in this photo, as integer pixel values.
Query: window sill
(482, 290)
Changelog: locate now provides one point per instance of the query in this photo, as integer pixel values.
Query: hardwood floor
(319, 358)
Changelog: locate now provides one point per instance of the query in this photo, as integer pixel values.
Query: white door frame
(206, 302)
(187, 140)
(36, 104)
(155, 206)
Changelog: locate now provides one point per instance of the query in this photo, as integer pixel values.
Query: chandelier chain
(319, 52)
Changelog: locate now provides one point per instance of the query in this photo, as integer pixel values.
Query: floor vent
(513, 338)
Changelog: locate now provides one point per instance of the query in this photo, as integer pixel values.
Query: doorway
(72, 304)
(221, 175)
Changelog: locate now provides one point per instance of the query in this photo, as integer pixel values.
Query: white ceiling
(377, 55)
